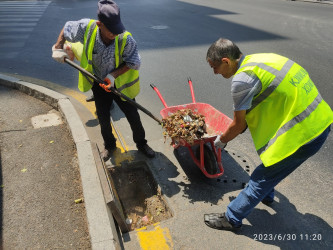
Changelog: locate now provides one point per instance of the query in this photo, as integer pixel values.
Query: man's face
(105, 33)
(224, 67)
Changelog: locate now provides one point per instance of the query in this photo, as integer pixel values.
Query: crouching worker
(109, 52)
(288, 119)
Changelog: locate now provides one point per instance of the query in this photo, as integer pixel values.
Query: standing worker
(109, 52)
(288, 119)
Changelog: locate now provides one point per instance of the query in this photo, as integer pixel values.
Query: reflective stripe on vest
(129, 82)
(85, 83)
(288, 112)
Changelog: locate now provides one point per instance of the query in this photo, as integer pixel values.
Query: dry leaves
(184, 125)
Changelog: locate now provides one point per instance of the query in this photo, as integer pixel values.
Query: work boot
(147, 151)
(219, 221)
(90, 98)
(106, 153)
(267, 202)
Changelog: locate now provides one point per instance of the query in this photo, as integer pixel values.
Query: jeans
(103, 101)
(264, 179)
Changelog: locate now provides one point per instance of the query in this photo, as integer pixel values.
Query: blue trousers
(264, 179)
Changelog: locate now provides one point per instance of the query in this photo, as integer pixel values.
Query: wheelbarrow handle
(115, 91)
(191, 88)
(159, 95)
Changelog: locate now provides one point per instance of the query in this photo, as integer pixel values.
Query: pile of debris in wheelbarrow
(195, 126)
(184, 125)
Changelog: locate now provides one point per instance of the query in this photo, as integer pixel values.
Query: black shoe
(90, 98)
(267, 202)
(106, 153)
(219, 221)
(147, 151)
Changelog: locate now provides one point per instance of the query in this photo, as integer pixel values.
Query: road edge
(102, 229)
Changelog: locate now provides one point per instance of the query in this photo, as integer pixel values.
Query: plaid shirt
(103, 56)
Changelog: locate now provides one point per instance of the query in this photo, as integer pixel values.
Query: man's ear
(225, 60)
(99, 23)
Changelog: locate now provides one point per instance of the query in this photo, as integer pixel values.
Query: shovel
(115, 91)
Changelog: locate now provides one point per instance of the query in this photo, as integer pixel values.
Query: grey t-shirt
(244, 87)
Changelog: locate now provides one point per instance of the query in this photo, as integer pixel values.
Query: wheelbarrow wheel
(210, 162)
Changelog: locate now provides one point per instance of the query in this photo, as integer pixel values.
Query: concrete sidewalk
(44, 170)
(300, 217)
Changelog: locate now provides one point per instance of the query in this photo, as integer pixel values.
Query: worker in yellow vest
(110, 52)
(288, 119)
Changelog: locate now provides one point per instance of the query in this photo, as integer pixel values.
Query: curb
(315, 1)
(101, 226)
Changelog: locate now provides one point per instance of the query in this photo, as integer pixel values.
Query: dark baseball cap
(109, 14)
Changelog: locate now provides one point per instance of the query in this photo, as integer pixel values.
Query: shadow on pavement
(288, 228)
(201, 188)
(92, 123)
(172, 24)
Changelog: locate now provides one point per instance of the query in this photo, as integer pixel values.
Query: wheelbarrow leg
(218, 156)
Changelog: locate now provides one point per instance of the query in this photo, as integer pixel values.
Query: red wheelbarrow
(206, 157)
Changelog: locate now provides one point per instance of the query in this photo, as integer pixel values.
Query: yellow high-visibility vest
(129, 82)
(85, 83)
(288, 112)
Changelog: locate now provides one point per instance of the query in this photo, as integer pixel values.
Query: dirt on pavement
(40, 180)
(141, 199)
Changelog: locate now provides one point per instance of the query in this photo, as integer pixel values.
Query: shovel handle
(115, 91)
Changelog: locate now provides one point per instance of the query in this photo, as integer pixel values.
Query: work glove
(218, 144)
(59, 54)
(109, 79)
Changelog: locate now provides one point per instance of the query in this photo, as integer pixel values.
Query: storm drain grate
(238, 168)
(139, 195)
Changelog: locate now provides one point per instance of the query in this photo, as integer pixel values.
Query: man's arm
(237, 126)
(131, 58)
(61, 40)
(120, 70)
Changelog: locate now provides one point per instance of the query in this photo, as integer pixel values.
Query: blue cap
(109, 14)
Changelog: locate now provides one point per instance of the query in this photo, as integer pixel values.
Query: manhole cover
(138, 192)
(237, 168)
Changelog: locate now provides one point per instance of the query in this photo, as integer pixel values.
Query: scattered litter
(77, 201)
(145, 219)
(24, 170)
(159, 210)
(128, 221)
(51, 141)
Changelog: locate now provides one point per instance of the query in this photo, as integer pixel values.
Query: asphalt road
(173, 38)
